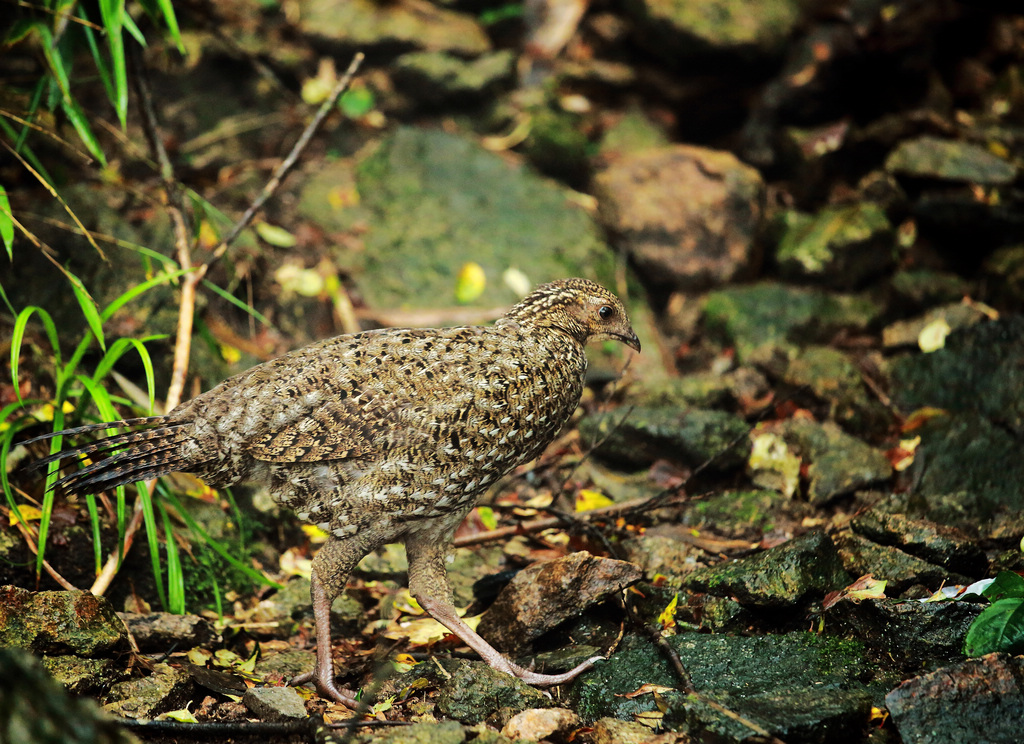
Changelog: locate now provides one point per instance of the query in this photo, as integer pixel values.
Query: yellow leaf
(517, 281)
(275, 235)
(294, 278)
(340, 197)
(208, 237)
(293, 563)
(230, 354)
(199, 656)
(587, 500)
(870, 589)
(470, 282)
(28, 513)
(770, 453)
(181, 716)
(314, 533)
(315, 90)
(249, 665)
(933, 336)
(487, 517)
(667, 618)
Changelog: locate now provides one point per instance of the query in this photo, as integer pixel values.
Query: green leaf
(18, 336)
(89, 309)
(275, 235)
(1006, 584)
(999, 628)
(356, 102)
(112, 14)
(237, 303)
(80, 122)
(138, 289)
(6, 223)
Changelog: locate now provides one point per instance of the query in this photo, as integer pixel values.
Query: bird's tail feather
(128, 457)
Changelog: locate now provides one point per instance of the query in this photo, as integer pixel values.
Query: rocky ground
(814, 210)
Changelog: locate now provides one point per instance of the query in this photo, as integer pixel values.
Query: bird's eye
(606, 312)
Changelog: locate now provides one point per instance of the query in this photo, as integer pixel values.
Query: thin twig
(289, 162)
(547, 523)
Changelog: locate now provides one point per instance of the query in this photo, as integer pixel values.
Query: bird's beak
(630, 339)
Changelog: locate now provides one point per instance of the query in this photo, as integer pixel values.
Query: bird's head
(582, 308)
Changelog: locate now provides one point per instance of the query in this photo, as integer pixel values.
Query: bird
(388, 435)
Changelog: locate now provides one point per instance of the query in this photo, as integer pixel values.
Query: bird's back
(410, 422)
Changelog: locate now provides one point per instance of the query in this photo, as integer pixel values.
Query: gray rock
(801, 568)
(546, 594)
(470, 691)
(841, 246)
(979, 700)
(678, 31)
(275, 703)
(910, 634)
(431, 201)
(899, 569)
(62, 622)
(638, 436)
(767, 319)
(937, 543)
(758, 677)
(932, 157)
(435, 78)
(164, 690)
(161, 631)
(837, 463)
(365, 24)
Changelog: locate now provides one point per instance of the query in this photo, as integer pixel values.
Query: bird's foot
(531, 677)
(325, 688)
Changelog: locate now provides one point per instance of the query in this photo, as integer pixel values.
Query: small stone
(687, 215)
(160, 631)
(164, 690)
(547, 594)
(275, 703)
(785, 575)
(60, 622)
(932, 157)
(540, 723)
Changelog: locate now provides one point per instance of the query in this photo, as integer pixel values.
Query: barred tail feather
(131, 456)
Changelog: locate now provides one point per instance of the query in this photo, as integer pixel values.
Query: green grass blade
(153, 541)
(80, 122)
(18, 337)
(94, 520)
(112, 14)
(135, 31)
(175, 578)
(52, 473)
(237, 302)
(6, 443)
(89, 309)
(97, 56)
(139, 289)
(116, 351)
(216, 546)
(6, 223)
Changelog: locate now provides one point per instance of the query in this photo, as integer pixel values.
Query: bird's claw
(326, 689)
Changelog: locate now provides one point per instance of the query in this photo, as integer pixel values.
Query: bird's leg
(428, 583)
(331, 567)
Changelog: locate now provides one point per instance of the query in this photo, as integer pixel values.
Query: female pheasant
(383, 436)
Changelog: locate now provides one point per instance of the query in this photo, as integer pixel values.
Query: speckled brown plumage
(381, 436)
